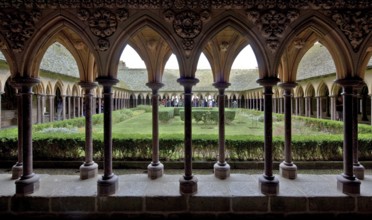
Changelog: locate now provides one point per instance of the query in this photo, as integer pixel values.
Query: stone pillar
(89, 168)
(188, 183)
(267, 183)
(69, 106)
(287, 168)
(333, 107)
(346, 182)
(358, 168)
(29, 182)
(82, 107)
(318, 105)
(73, 106)
(108, 184)
(99, 105)
(78, 106)
(38, 109)
(221, 167)
(63, 107)
(42, 108)
(17, 168)
(51, 108)
(364, 107)
(155, 169)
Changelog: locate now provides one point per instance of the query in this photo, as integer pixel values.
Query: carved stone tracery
(272, 24)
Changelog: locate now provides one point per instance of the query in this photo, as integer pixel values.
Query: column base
(286, 171)
(88, 171)
(188, 187)
(268, 186)
(221, 171)
(155, 171)
(349, 187)
(106, 187)
(17, 171)
(27, 185)
(359, 171)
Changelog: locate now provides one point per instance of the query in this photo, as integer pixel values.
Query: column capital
(350, 82)
(288, 85)
(19, 82)
(154, 85)
(221, 85)
(187, 81)
(87, 85)
(268, 81)
(107, 81)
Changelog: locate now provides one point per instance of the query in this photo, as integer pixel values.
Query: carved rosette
(102, 23)
(272, 24)
(19, 27)
(187, 26)
(354, 24)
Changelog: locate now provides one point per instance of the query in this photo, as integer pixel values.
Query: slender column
(78, 106)
(287, 168)
(188, 183)
(69, 106)
(73, 106)
(99, 105)
(358, 168)
(82, 107)
(51, 108)
(267, 182)
(155, 169)
(89, 168)
(42, 108)
(296, 105)
(333, 107)
(17, 168)
(63, 107)
(318, 107)
(29, 182)
(38, 109)
(108, 184)
(221, 167)
(346, 182)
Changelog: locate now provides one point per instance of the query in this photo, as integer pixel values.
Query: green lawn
(246, 122)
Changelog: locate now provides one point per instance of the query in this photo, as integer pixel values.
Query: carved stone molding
(354, 24)
(18, 27)
(272, 24)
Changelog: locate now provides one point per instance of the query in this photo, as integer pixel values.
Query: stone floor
(66, 196)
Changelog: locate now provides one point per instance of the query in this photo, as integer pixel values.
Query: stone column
(318, 105)
(38, 109)
(221, 167)
(69, 106)
(358, 168)
(108, 184)
(346, 182)
(364, 107)
(78, 106)
(188, 183)
(63, 107)
(42, 108)
(51, 108)
(287, 168)
(333, 107)
(17, 168)
(89, 168)
(73, 106)
(267, 183)
(29, 182)
(155, 169)
(99, 105)
(82, 107)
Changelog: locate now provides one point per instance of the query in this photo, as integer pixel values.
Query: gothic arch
(133, 26)
(312, 28)
(59, 85)
(58, 29)
(322, 89)
(309, 91)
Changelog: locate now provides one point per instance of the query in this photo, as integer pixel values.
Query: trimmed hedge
(210, 115)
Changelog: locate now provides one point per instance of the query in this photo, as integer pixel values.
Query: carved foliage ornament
(18, 27)
(103, 23)
(355, 25)
(272, 24)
